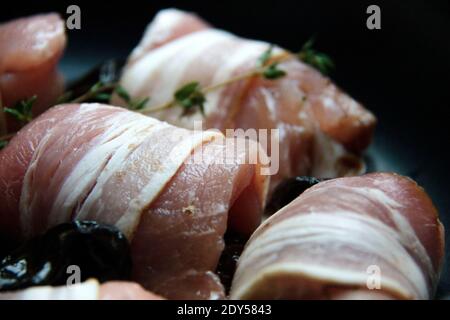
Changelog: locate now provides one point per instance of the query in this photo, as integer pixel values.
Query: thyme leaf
(97, 87)
(103, 96)
(314, 58)
(133, 104)
(65, 97)
(3, 143)
(22, 110)
(272, 72)
(121, 92)
(190, 97)
(140, 104)
(265, 56)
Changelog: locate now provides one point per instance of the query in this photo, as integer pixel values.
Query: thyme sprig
(99, 91)
(22, 112)
(191, 95)
(102, 91)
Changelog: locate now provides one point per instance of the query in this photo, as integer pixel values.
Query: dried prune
(99, 251)
(287, 191)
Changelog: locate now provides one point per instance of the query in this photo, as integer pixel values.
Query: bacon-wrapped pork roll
(167, 189)
(376, 236)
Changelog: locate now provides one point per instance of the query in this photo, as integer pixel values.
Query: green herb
(102, 91)
(190, 97)
(272, 72)
(264, 58)
(97, 87)
(99, 91)
(3, 143)
(318, 60)
(121, 92)
(65, 97)
(22, 110)
(105, 97)
(133, 104)
(139, 104)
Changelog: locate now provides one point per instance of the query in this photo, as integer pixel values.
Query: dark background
(401, 72)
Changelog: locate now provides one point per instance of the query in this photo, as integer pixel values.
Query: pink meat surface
(332, 240)
(30, 49)
(103, 163)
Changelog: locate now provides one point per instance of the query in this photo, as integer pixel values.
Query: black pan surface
(401, 72)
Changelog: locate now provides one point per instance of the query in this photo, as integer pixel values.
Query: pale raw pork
(30, 49)
(168, 189)
(322, 130)
(376, 236)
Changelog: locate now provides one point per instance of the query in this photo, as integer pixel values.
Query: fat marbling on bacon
(30, 49)
(338, 236)
(114, 166)
(322, 129)
(88, 290)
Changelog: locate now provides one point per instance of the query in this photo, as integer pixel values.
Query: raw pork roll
(169, 190)
(30, 49)
(376, 236)
(89, 290)
(321, 129)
